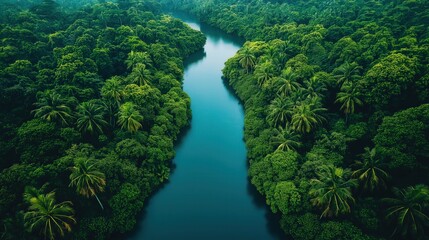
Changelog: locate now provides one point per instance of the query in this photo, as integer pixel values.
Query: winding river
(209, 195)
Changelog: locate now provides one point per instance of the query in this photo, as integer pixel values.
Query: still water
(208, 195)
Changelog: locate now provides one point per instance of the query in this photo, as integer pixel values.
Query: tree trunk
(99, 202)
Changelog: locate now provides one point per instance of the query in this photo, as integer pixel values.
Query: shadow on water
(216, 35)
(194, 58)
(272, 219)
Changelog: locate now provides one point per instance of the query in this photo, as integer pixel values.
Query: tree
(285, 139)
(247, 59)
(140, 75)
(90, 118)
(129, 118)
(286, 82)
(306, 117)
(264, 72)
(87, 179)
(47, 216)
(113, 90)
(273, 168)
(53, 109)
(331, 191)
(347, 73)
(389, 79)
(408, 211)
(348, 97)
(370, 171)
(280, 110)
(314, 87)
(135, 58)
(286, 198)
(402, 139)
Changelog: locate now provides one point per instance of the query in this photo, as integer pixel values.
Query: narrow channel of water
(208, 195)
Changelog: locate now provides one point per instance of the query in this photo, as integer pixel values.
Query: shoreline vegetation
(336, 97)
(91, 105)
(336, 111)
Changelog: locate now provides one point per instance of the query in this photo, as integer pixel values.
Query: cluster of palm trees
(347, 76)
(139, 63)
(332, 191)
(301, 116)
(89, 117)
(54, 219)
(294, 107)
(349, 96)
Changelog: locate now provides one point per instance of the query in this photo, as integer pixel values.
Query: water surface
(208, 195)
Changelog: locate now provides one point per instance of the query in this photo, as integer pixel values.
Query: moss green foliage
(335, 94)
(91, 104)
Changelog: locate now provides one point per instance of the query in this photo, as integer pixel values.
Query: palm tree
(287, 83)
(370, 171)
(348, 97)
(408, 210)
(140, 74)
(331, 191)
(90, 118)
(347, 73)
(280, 110)
(47, 216)
(53, 109)
(264, 73)
(87, 179)
(285, 139)
(135, 58)
(247, 59)
(113, 90)
(306, 117)
(129, 118)
(314, 87)
(111, 109)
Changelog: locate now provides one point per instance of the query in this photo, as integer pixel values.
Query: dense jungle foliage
(336, 98)
(91, 102)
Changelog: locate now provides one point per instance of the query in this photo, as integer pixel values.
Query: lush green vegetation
(91, 104)
(336, 96)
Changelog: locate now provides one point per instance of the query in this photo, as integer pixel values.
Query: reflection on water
(195, 58)
(209, 195)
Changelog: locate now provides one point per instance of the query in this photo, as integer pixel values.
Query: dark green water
(208, 195)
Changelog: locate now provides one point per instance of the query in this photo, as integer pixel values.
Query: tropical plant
(285, 139)
(53, 108)
(314, 87)
(113, 90)
(331, 191)
(129, 118)
(247, 59)
(264, 72)
(286, 83)
(90, 118)
(347, 73)
(408, 211)
(370, 171)
(306, 117)
(140, 75)
(280, 110)
(348, 97)
(87, 179)
(135, 58)
(45, 215)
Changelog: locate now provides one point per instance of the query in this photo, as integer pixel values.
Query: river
(208, 195)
